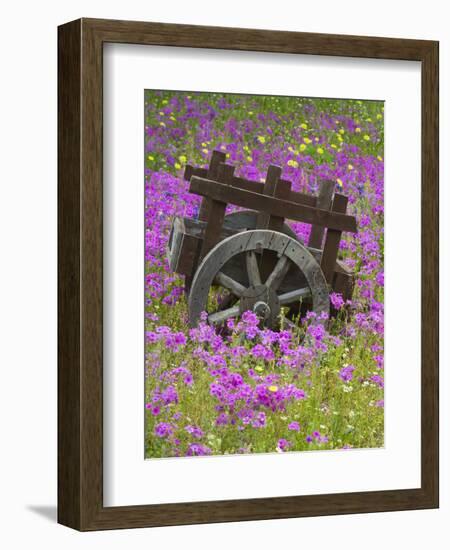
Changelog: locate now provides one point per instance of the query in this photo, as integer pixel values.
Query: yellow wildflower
(366, 137)
(350, 166)
(379, 116)
(177, 165)
(182, 159)
(358, 130)
(150, 157)
(258, 368)
(261, 139)
(205, 151)
(342, 131)
(320, 150)
(380, 158)
(334, 146)
(163, 124)
(204, 144)
(161, 113)
(302, 147)
(304, 126)
(273, 389)
(249, 158)
(307, 140)
(339, 182)
(292, 163)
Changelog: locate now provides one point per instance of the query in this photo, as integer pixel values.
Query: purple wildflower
(163, 429)
(283, 444)
(194, 431)
(197, 449)
(346, 373)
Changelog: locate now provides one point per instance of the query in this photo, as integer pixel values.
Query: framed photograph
(248, 274)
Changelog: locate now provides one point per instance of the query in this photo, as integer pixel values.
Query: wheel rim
(260, 296)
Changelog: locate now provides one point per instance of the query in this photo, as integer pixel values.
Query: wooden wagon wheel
(262, 297)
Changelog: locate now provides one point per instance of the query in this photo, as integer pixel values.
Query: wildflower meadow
(246, 388)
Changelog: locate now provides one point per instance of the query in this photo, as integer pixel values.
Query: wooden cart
(252, 253)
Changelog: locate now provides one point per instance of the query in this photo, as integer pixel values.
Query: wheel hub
(263, 302)
(262, 310)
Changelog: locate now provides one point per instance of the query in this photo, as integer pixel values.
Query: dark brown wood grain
(430, 274)
(272, 205)
(324, 201)
(332, 240)
(282, 191)
(276, 187)
(272, 177)
(255, 186)
(80, 264)
(217, 157)
(343, 280)
(215, 210)
(69, 276)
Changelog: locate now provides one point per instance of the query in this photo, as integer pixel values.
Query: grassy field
(247, 389)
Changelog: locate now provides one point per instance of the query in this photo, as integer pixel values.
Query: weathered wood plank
(217, 158)
(254, 276)
(215, 210)
(272, 176)
(274, 187)
(282, 192)
(324, 201)
(280, 270)
(277, 207)
(250, 185)
(183, 248)
(343, 280)
(215, 216)
(332, 240)
(221, 316)
(225, 173)
(258, 187)
(294, 295)
(190, 171)
(229, 283)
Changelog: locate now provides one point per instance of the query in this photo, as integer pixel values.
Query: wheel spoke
(227, 301)
(280, 270)
(252, 268)
(227, 282)
(294, 296)
(221, 316)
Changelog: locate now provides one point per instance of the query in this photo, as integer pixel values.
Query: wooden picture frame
(80, 271)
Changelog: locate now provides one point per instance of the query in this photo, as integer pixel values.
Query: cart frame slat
(273, 206)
